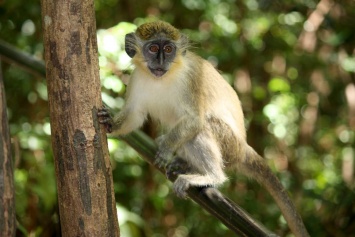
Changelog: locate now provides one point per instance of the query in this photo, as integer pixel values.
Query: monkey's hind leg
(177, 167)
(205, 163)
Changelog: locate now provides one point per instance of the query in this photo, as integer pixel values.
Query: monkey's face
(159, 54)
(155, 46)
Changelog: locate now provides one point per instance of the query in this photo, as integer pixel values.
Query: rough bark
(7, 199)
(84, 179)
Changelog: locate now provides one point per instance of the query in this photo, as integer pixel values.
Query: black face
(159, 55)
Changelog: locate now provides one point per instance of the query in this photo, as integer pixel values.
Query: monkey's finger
(160, 160)
(105, 120)
(108, 128)
(180, 188)
(103, 113)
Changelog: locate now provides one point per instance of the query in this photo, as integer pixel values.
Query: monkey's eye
(168, 49)
(154, 48)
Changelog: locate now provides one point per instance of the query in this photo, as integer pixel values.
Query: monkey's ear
(184, 41)
(130, 45)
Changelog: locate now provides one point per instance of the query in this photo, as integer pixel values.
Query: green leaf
(278, 84)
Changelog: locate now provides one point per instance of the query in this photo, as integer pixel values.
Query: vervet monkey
(201, 111)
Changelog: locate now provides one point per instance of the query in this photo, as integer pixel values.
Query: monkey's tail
(256, 167)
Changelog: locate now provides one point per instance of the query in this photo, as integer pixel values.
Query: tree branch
(24, 60)
(229, 213)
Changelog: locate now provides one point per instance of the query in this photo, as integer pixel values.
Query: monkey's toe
(181, 185)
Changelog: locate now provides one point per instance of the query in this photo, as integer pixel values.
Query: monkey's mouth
(158, 72)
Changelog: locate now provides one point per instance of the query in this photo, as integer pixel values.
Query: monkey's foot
(181, 185)
(105, 119)
(177, 167)
(185, 181)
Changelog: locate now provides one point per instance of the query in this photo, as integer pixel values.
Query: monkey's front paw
(105, 119)
(164, 154)
(163, 157)
(181, 185)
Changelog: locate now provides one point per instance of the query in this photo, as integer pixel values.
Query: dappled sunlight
(308, 39)
(350, 97)
(292, 64)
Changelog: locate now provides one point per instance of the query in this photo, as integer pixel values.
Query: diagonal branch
(233, 216)
(229, 213)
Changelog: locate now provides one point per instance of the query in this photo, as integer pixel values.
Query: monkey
(200, 110)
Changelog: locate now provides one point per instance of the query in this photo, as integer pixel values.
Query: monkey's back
(220, 99)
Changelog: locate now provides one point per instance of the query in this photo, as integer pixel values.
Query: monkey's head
(157, 44)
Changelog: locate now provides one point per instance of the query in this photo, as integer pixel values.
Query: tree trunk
(7, 199)
(84, 180)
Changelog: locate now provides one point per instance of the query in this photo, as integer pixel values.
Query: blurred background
(293, 66)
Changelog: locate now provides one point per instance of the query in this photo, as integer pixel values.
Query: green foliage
(290, 73)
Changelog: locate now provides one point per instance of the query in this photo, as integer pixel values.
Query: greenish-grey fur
(152, 29)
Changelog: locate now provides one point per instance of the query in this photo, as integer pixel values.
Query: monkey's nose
(161, 58)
